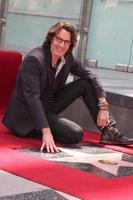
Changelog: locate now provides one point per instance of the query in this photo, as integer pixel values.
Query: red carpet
(89, 136)
(72, 181)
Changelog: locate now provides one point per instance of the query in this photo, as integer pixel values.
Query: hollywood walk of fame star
(94, 159)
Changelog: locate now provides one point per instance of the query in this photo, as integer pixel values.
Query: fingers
(48, 142)
(42, 147)
(56, 149)
(103, 126)
(102, 121)
(51, 148)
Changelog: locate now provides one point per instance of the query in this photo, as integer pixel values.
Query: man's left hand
(103, 118)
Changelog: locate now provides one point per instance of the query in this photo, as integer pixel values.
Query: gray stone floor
(115, 81)
(16, 188)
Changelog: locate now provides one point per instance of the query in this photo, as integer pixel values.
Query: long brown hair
(55, 29)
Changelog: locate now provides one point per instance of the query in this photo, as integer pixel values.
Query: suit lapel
(48, 59)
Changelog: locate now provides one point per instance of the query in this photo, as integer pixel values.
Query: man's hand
(48, 141)
(103, 118)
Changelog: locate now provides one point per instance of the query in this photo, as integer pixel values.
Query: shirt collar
(61, 64)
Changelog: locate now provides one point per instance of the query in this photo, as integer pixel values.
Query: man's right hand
(48, 141)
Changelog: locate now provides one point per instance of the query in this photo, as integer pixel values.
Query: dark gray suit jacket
(33, 90)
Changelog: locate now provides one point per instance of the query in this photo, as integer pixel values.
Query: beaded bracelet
(101, 108)
(103, 105)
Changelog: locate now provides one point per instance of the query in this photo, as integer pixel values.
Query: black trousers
(65, 130)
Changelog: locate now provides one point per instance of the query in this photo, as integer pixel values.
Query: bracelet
(103, 105)
(102, 108)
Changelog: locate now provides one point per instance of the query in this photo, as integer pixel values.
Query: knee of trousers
(77, 136)
(84, 84)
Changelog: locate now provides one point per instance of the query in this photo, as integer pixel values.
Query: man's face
(61, 43)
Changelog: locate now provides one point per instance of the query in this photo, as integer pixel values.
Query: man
(41, 94)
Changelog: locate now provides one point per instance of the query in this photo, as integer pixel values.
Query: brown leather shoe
(111, 135)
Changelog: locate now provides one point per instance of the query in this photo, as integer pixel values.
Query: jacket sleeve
(82, 71)
(30, 73)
